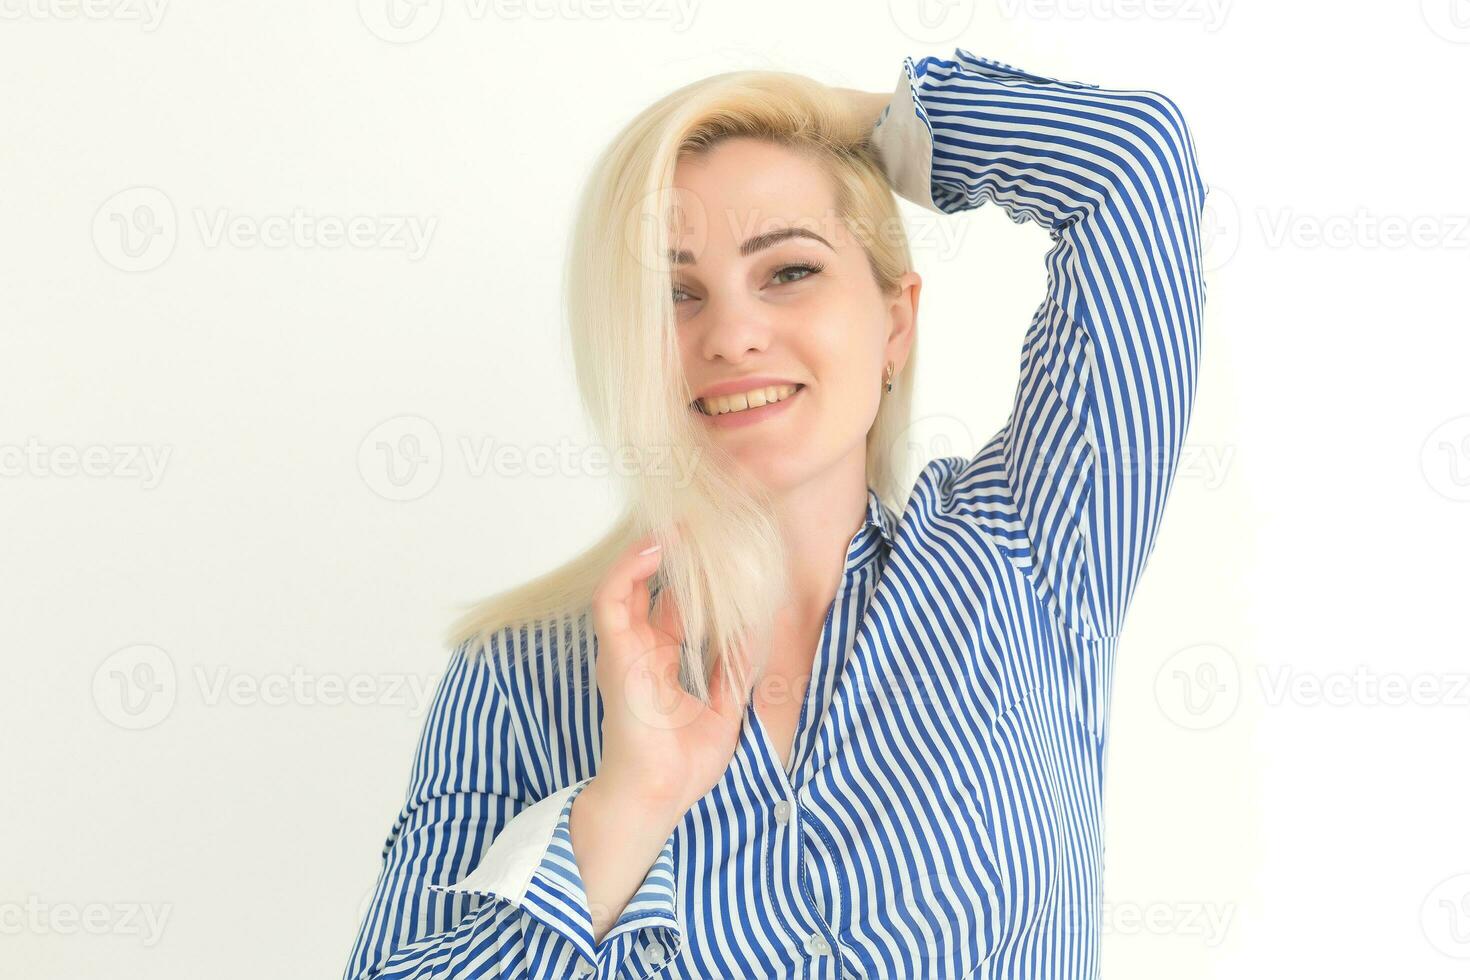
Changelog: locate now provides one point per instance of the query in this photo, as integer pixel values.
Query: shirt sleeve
(478, 876)
(1077, 480)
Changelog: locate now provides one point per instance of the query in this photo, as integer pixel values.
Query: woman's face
(778, 308)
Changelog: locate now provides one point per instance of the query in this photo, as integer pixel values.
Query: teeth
(755, 398)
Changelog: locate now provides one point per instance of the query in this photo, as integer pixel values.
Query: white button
(654, 952)
(816, 945)
(584, 969)
(783, 812)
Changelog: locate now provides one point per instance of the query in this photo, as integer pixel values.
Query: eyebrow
(752, 245)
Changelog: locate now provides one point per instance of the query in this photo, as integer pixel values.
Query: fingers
(613, 611)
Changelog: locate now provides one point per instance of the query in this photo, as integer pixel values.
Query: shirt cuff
(905, 141)
(904, 133)
(531, 865)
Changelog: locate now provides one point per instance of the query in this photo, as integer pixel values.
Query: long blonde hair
(726, 570)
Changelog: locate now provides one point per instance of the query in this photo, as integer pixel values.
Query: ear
(903, 320)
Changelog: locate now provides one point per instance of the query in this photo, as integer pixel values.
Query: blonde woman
(793, 717)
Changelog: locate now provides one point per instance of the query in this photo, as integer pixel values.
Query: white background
(220, 634)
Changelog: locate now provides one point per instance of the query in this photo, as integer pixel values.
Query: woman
(770, 728)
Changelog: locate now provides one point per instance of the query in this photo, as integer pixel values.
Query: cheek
(841, 347)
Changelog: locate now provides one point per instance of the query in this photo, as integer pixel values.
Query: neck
(818, 519)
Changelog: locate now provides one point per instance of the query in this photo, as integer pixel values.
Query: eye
(785, 275)
(808, 269)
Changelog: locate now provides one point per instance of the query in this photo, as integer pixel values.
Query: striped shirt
(941, 813)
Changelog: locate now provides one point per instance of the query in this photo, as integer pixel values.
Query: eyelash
(810, 268)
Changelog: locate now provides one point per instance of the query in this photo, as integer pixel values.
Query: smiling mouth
(745, 400)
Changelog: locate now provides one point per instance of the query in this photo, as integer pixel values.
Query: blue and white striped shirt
(942, 812)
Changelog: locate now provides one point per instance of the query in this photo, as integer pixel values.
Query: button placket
(816, 943)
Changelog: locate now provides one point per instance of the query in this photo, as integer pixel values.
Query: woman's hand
(863, 109)
(662, 748)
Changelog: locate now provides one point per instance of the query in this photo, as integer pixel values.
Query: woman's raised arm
(1110, 362)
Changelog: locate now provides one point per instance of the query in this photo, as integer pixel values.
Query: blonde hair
(726, 570)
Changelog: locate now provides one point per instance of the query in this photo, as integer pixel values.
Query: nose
(735, 326)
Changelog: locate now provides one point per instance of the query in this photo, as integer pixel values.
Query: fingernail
(650, 549)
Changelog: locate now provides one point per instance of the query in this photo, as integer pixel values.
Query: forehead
(743, 186)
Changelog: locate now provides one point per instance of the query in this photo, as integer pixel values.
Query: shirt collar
(874, 537)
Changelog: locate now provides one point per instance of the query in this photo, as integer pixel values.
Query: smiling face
(783, 330)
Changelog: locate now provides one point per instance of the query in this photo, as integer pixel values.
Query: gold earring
(890, 376)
